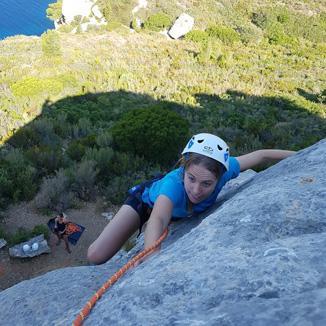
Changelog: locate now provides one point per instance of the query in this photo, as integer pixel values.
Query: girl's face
(199, 183)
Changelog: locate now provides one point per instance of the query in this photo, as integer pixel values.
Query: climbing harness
(91, 302)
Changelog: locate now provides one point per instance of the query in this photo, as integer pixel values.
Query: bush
(103, 158)
(40, 229)
(197, 36)
(277, 36)
(117, 189)
(54, 193)
(104, 139)
(157, 134)
(25, 138)
(21, 235)
(226, 34)
(33, 86)
(250, 34)
(3, 234)
(76, 150)
(54, 11)
(17, 177)
(51, 46)
(158, 22)
(261, 19)
(84, 177)
(47, 159)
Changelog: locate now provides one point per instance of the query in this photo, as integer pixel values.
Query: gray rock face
(259, 259)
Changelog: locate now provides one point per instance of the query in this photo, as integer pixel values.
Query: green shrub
(33, 86)
(158, 22)
(40, 229)
(197, 36)
(6, 188)
(134, 25)
(25, 138)
(54, 11)
(3, 234)
(84, 177)
(76, 150)
(249, 34)
(21, 235)
(157, 134)
(276, 35)
(104, 139)
(261, 19)
(125, 164)
(117, 189)
(51, 46)
(18, 177)
(226, 34)
(103, 158)
(46, 159)
(54, 193)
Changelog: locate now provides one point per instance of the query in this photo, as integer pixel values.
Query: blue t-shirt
(172, 186)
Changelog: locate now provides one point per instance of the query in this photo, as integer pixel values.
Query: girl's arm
(249, 161)
(159, 220)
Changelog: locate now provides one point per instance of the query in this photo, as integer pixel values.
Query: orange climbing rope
(91, 302)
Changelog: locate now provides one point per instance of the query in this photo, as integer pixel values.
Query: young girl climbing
(205, 167)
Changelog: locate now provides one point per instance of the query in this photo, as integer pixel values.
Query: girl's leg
(59, 239)
(114, 235)
(65, 239)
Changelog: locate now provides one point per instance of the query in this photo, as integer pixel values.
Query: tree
(54, 11)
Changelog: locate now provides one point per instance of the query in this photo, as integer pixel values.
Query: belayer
(204, 168)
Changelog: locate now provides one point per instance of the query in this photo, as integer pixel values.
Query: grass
(265, 92)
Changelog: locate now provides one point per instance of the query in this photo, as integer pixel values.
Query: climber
(204, 168)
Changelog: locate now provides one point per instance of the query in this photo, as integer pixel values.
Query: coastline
(17, 20)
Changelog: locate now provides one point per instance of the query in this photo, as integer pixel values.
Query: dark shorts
(143, 210)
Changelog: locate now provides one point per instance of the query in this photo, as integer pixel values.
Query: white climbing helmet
(209, 145)
(26, 248)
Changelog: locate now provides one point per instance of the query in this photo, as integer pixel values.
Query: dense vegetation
(253, 74)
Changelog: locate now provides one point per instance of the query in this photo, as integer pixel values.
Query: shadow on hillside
(245, 122)
(315, 98)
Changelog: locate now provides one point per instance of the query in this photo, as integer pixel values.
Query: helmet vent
(200, 141)
(219, 147)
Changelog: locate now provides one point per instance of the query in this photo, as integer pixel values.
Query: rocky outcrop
(86, 9)
(258, 259)
(73, 8)
(42, 248)
(181, 26)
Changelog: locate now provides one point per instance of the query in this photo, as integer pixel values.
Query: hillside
(251, 72)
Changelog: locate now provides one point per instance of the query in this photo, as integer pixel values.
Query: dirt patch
(15, 270)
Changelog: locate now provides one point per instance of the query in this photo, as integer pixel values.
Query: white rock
(3, 242)
(108, 216)
(141, 4)
(181, 26)
(73, 8)
(96, 11)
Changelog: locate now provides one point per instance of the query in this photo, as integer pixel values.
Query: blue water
(27, 17)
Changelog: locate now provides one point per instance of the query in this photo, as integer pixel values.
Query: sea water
(26, 17)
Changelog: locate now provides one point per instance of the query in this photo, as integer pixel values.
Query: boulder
(19, 252)
(181, 26)
(258, 259)
(3, 242)
(73, 8)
